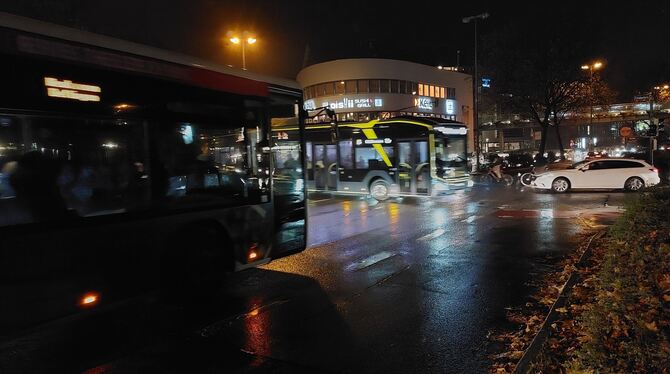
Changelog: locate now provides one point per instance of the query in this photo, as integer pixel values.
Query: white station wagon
(612, 173)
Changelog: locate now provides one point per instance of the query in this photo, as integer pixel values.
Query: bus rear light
(253, 252)
(89, 299)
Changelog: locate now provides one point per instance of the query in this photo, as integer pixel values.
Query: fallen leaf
(561, 310)
(651, 326)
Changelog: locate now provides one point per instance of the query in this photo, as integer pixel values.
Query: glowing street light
(246, 38)
(591, 68)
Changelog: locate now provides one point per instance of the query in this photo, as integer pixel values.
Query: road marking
(319, 200)
(433, 235)
(470, 219)
(369, 261)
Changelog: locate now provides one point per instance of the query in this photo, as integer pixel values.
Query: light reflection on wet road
(420, 283)
(394, 287)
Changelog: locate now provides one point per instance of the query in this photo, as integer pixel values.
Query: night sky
(632, 39)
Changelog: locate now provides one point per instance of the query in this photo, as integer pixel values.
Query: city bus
(400, 156)
(125, 169)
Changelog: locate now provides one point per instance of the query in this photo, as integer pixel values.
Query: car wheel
(380, 189)
(633, 184)
(560, 185)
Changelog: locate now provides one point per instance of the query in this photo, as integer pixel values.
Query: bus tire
(380, 189)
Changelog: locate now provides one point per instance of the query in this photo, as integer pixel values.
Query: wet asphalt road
(394, 287)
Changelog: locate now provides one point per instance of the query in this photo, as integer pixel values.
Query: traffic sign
(626, 132)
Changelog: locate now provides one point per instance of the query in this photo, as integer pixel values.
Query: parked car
(631, 175)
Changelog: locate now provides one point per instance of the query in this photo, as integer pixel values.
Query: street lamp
(246, 38)
(591, 68)
(475, 85)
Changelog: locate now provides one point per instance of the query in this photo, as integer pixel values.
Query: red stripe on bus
(228, 83)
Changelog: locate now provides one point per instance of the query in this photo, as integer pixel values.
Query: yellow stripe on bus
(370, 134)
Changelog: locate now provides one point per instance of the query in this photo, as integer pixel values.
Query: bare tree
(539, 72)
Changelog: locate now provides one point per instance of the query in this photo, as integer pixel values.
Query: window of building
(420, 89)
(442, 92)
(328, 88)
(384, 85)
(403, 87)
(394, 86)
(363, 86)
(451, 93)
(413, 88)
(374, 85)
(350, 87)
(339, 87)
(432, 91)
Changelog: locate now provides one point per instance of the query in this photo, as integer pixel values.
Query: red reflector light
(253, 252)
(654, 170)
(89, 299)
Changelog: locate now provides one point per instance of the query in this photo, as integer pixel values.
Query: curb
(541, 337)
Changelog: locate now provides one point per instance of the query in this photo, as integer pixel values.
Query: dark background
(632, 38)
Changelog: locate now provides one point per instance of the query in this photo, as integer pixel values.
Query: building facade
(367, 89)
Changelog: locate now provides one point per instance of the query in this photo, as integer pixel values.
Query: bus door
(413, 175)
(325, 167)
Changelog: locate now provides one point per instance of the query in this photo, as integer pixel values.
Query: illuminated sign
(347, 103)
(309, 105)
(374, 141)
(66, 89)
(451, 107)
(486, 82)
(452, 130)
(424, 103)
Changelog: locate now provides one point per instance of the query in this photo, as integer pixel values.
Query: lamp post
(475, 86)
(591, 68)
(246, 38)
(655, 95)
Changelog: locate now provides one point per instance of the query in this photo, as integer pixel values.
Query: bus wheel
(380, 189)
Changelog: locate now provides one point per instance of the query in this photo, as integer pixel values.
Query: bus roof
(37, 27)
(427, 122)
(430, 123)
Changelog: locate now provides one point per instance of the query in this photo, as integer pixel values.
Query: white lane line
(470, 219)
(369, 261)
(433, 235)
(319, 200)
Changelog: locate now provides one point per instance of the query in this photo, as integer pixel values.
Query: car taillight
(654, 170)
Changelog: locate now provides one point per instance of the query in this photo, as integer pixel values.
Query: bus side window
(210, 163)
(74, 167)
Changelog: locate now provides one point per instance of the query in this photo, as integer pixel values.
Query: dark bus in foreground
(401, 156)
(125, 169)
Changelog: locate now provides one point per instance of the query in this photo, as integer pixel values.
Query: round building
(367, 89)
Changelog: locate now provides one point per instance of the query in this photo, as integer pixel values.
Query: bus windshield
(450, 157)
